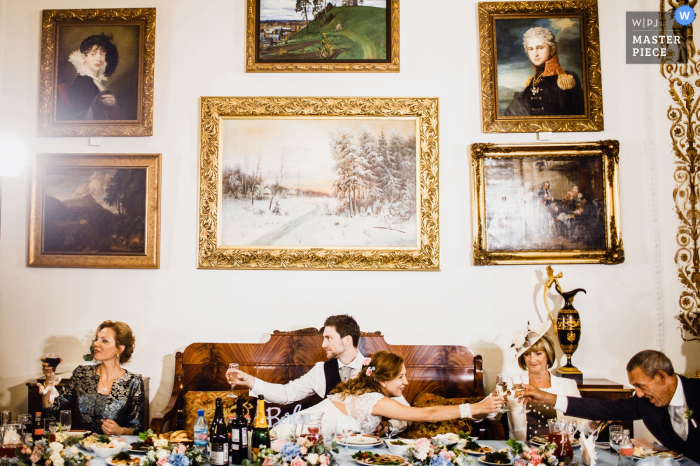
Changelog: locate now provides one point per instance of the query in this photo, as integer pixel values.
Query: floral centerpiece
(301, 452)
(163, 454)
(45, 453)
(544, 455)
(424, 453)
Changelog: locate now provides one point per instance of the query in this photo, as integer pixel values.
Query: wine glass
(346, 430)
(615, 437)
(502, 390)
(66, 420)
(517, 383)
(328, 431)
(231, 376)
(53, 360)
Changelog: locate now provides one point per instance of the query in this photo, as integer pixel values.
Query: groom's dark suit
(657, 420)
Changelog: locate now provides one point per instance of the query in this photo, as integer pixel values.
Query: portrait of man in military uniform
(539, 67)
(550, 90)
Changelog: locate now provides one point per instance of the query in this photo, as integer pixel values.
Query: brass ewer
(567, 325)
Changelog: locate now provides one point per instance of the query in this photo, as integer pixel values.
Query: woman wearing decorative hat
(535, 354)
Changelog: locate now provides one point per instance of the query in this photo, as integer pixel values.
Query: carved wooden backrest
(450, 371)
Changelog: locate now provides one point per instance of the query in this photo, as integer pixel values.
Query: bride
(360, 403)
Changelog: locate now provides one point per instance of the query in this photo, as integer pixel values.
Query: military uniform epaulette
(565, 81)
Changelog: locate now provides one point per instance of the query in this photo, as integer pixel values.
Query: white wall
(200, 51)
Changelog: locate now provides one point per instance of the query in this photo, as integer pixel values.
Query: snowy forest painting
(298, 182)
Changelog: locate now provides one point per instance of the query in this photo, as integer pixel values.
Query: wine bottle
(238, 431)
(38, 427)
(261, 433)
(218, 437)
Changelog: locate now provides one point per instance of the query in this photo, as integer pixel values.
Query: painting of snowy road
(295, 182)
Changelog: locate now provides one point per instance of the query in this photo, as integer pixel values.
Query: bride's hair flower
(366, 361)
(370, 370)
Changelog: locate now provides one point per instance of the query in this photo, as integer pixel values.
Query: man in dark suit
(669, 404)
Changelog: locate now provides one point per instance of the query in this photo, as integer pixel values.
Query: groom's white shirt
(312, 382)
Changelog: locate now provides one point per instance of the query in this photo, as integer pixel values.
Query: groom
(341, 335)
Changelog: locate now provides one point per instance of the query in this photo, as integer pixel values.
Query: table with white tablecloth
(605, 457)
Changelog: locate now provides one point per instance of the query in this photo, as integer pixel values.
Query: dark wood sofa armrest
(160, 418)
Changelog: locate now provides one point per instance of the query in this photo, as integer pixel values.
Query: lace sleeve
(360, 408)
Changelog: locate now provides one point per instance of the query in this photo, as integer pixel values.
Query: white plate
(603, 445)
(359, 447)
(360, 440)
(483, 460)
(476, 453)
(75, 433)
(661, 454)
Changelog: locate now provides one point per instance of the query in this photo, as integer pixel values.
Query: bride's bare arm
(394, 410)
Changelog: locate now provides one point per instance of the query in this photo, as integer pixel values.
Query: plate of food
(497, 457)
(178, 436)
(102, 445)
(541, 441)
(374, 459)
(473, 448)
(446, 439)
(359, 440)
(641, 453)
(123, 459)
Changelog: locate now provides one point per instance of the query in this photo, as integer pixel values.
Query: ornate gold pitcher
(567, 325)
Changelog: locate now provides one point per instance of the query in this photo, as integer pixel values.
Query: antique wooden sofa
(447, 371)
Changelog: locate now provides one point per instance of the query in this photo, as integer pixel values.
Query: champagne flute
(231, 376)
(517, 383)
(502, 390)
(66, 420)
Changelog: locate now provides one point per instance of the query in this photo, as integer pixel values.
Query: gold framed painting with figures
(540, 66)
(543, 204)
(322, 36)
(95, 211)
(319, 183)
(97, 72)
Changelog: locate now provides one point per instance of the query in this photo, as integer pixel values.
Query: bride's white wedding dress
(358, 407)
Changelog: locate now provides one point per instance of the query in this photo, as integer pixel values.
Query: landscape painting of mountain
(323, 31)
(94, 211)
(295, 182)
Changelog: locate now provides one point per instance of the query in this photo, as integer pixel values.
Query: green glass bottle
(261, 433)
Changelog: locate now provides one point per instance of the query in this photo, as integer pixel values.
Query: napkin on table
(588, 453)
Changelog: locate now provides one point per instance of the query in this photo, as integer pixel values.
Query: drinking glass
(517, 383)
(615, 437)
(346, 431)
(502, 390)
(26, 421)
(5, 417)
(65, 419)
(231, 376)
(328, 431)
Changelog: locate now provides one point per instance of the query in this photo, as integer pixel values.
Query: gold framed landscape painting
(95, 211)
(540, 66)
(543, 204)
(319, 183)
(97, 72)
(322, 36)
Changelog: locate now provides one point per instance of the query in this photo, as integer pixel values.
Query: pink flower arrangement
(323, 459)
(181, 448)
(268, 461)
(279, 443)
(303, 451)
(303, 442)
(366, 361)
(297, 461)
(162, 461)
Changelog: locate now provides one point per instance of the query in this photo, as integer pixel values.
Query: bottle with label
(218, 437)
(238, 430)
(38, 426)
(201, 440)
(626, 450)
(261, 433)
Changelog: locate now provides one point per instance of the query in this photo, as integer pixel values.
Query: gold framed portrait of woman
(97, 72)
(540, 66)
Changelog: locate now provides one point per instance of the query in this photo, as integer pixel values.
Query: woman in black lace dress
(110, 399)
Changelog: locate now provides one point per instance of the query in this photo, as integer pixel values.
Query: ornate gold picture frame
(339, 36)
(97, 72)
(318, 183)
(544, 204)
(540, 66)
(95, 211)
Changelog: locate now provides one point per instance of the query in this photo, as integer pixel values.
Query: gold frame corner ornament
(587, 10)
(609, 152)
(150, 259)
(393, 65)
(212, 256)
(48, 87)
